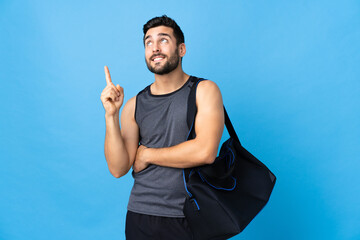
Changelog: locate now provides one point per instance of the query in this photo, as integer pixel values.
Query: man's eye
(149, 43)
(164, 40)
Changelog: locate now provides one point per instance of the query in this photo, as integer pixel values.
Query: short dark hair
(168, 22)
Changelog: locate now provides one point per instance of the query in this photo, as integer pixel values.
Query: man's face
(161, 52)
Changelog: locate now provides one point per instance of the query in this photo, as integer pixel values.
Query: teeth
(157, 59)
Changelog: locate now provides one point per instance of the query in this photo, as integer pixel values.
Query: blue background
(289, 73)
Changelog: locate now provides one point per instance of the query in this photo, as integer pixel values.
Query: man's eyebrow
(160, 34)
(148, 36)
(164, 34)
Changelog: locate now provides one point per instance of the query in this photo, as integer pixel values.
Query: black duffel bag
(223, 197)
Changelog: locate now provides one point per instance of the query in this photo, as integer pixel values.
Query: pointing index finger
(107, 76)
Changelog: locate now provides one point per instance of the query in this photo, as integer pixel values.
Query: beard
(170, 65)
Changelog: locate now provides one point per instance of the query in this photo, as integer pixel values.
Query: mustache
(157, 55)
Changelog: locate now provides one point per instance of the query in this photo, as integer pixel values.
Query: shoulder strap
(192, 110)
(137, 96)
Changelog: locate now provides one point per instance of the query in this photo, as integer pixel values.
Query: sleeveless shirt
(162, 123)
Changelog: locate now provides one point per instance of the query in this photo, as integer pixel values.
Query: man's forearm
(191, 153)
(116, 154)
(209, 126)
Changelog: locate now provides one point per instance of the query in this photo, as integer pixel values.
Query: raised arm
(209, 125)
(120, 144)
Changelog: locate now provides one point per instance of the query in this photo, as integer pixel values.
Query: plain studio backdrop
(289, 72)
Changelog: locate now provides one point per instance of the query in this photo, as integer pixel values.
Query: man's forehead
(160, 30)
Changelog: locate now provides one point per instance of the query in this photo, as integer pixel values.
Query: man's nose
(156, 47)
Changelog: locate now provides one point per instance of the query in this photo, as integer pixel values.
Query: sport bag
(223, 197)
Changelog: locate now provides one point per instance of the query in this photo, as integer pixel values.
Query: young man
(156, 118)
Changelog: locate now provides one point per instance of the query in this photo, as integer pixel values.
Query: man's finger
(119, 88)
(107, 75)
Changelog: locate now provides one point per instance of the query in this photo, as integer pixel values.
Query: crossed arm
(209, 125)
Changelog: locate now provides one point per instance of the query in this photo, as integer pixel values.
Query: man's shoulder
(207, 84)
(130, 104)
(207, 90)
(204, 82)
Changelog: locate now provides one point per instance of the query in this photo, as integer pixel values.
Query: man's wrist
(112, 116)
(147, 155)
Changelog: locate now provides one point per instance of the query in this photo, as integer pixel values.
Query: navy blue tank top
(161, 119)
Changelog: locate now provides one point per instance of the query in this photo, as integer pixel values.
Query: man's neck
(168, 83)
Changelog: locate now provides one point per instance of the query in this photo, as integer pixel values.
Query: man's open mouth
(158, 58)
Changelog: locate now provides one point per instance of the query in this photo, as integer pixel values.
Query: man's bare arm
(120, 145)
(209, 125)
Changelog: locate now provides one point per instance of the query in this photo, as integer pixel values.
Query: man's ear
(182, 49)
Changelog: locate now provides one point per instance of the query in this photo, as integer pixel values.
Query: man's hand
(111, 97)
(140, 159)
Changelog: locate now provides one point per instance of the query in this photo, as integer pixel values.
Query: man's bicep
(130, 129)
(209, 122)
